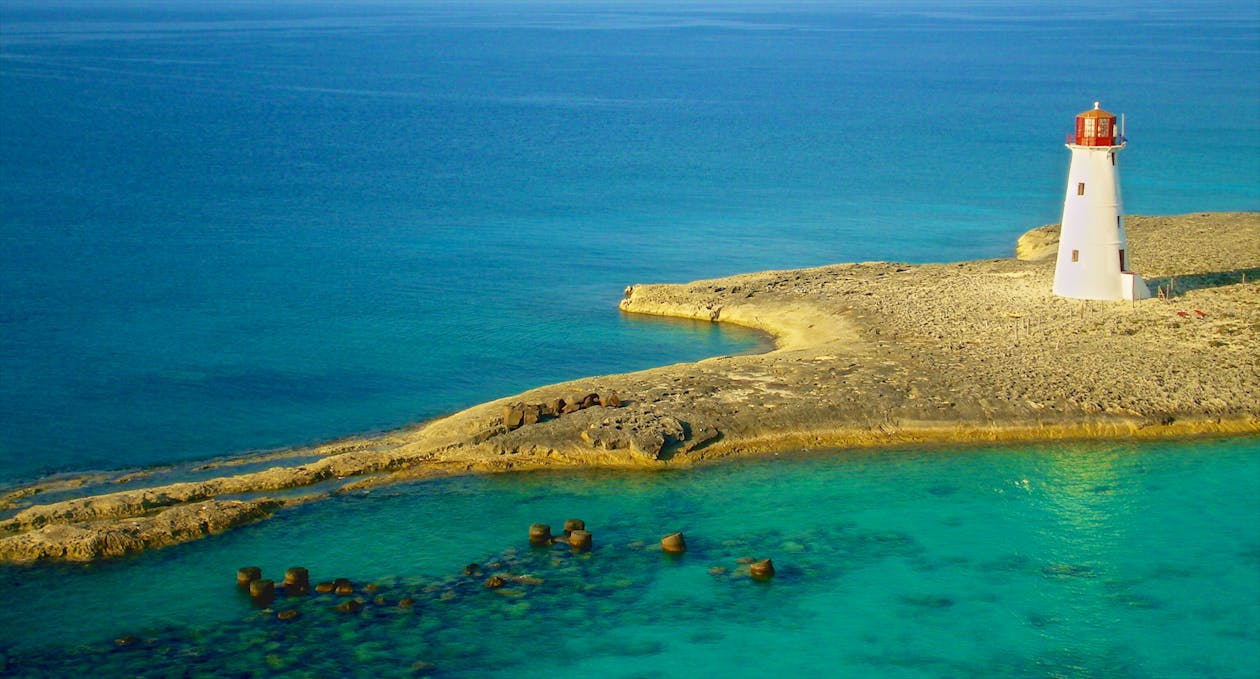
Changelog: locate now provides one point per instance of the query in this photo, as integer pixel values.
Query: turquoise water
(231, 226)
(1091, 560)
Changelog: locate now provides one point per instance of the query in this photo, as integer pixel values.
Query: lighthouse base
(1132, 287)
(1125, 285)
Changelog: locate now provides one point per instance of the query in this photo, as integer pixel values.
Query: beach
(873, 354)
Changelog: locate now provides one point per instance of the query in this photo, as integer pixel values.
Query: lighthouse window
(1080, 189)
(1113, 159)
(1076, 255)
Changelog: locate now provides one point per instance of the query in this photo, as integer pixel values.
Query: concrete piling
(571, 525)
(674, 543)
(262, 592)
(761, 570)
(297, 581)
(580, 541)
(246, 575)
(539, 534)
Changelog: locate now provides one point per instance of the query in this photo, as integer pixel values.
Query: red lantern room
(1096, 128)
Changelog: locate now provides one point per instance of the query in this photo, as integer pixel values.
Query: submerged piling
(246, 575)
(297, 581)
(674, 543)
(262, 592)
(761, 570)
(580, 541)
(539, 534)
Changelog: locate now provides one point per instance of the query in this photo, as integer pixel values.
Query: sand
(869, 354)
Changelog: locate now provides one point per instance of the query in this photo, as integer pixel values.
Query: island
(873, 354)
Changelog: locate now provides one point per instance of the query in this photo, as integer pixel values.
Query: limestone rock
(92, 540)
(648, 435)
(552, 407)
(1038, 244)
(572, 403)
(531, 414)
(513, 415)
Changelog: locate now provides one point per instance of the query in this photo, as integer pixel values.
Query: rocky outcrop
(650, 435)
(869, 354)
(88, 541)
(516, 415)
(1038, 244)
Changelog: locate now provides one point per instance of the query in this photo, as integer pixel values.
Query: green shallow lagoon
(1081, 560)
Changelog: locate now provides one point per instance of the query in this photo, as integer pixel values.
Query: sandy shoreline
(870, 354)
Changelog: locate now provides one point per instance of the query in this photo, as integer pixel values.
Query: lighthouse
(1092, 262)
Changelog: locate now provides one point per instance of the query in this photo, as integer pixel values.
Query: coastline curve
(867, 355)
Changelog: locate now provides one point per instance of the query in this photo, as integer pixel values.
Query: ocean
(238, 226)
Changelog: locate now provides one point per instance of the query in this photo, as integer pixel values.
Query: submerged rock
(350, 606)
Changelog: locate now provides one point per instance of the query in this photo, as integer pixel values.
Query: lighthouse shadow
(1175, 286)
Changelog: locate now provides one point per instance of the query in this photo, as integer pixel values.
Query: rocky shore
(869, 354)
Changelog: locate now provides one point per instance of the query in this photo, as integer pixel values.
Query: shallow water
(1082, 560)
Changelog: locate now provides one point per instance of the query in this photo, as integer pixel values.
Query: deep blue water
(227, 226)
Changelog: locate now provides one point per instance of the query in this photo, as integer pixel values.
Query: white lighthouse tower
(1092, 262)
